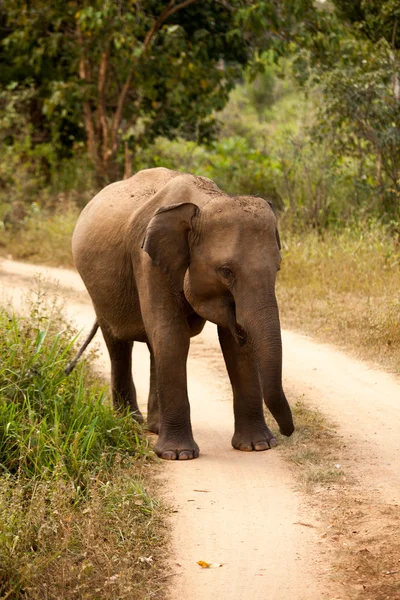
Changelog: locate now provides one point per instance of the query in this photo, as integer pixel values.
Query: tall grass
(50, 421)
(43, 236)
(343, 286)
(75, 512)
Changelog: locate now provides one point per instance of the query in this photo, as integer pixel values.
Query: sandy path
(363, 401)
(241, 509)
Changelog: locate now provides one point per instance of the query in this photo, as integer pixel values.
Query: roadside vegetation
(342, 287)
(78, 514)
(357, 531)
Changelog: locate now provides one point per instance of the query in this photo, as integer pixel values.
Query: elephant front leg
(251, 431)
(175, 439)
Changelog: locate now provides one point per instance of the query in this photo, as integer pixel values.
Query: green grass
(77, 512)
(50, 421)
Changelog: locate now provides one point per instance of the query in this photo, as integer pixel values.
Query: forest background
(297, 101)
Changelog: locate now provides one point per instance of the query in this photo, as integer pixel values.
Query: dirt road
(242, 509)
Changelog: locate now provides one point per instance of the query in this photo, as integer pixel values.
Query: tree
(124, 72)
(353, 57)
(362, 93)
(117, 74)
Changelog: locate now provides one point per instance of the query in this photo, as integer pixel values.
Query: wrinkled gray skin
(161, 253)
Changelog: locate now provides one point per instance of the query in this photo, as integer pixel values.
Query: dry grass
(79, 517)
(42, 238)
(108, 545)
(312, 448)
(344, 288)
(360, 534)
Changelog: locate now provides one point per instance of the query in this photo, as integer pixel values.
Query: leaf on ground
(206, 565)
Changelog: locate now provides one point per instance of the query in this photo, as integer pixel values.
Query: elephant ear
(166, 240)
(278, 239)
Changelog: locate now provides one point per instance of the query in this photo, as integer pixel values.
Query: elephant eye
(226, 272)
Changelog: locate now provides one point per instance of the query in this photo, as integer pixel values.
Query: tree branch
(87, 111)
(102, 103)
(394, 34)
(170, 9)
(118, 112)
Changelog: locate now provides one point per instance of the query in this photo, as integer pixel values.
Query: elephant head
(223, 254)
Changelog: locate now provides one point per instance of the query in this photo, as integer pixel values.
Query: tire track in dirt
(242, 509)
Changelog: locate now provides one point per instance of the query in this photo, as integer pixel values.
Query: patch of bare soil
(366, 533)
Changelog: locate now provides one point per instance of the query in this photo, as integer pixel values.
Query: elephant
(160, 254)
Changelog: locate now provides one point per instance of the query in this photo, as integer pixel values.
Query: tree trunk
(128, 161)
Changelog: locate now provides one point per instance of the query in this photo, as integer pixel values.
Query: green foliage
(115, 76)
(109, 86)
(281, 156)
(375, 19)
(354, 59)
(261, 90)
(18, 152)
(33, 177)
(50, 422)
(236, 166)
(119, 74)
(361, 107)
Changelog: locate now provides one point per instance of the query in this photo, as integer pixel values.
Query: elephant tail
(71, 366)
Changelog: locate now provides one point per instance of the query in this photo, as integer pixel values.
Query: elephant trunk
(262, 332)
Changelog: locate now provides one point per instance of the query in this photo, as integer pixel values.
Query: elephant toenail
(273, 442)
(185, 455)
(245, 448)
(261, 446)
(169, 455)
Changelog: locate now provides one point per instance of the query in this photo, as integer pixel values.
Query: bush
(51, 422)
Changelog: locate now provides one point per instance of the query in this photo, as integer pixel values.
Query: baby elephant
(160, 254)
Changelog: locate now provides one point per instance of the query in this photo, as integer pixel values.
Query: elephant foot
(248, 440)
(184, 448)
(137, 416)
(153, 425)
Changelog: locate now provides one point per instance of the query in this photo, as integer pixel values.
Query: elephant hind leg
(153, 411)
(122, 386)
